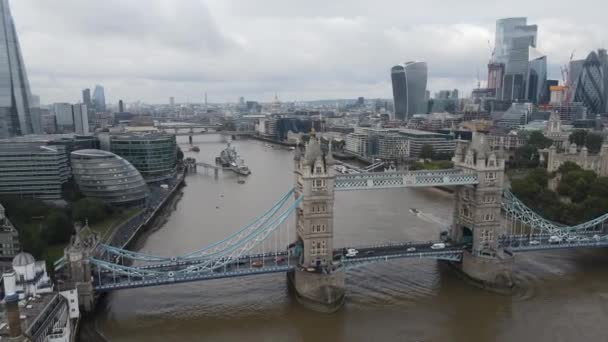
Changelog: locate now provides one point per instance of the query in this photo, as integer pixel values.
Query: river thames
(561, 295)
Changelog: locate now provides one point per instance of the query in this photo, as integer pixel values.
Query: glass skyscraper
(15, 95)
(514, 37)
(99, 99)
(409, 89)
(537, 79)
(591, 88)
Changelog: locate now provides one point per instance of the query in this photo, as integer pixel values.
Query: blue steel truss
(516, 209)
(401, 179)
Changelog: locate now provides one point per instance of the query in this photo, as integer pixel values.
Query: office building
(575, 68)
(154, 155)
(86, 97)
(409, 89)
(108, 177)
(514, 38)
(9, 240)
(537, 79)
(172, 101)
(121, 106)
(99, 99)
(517, 115)
(592, 85)
(71, 118)
(15, 95)
(33, 171)
(396, 144)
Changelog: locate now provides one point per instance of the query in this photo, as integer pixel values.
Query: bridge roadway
(213, 132)
(181, 271)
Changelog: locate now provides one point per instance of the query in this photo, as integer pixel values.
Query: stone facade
(477, 215)
(594, 162)
(77, 255)
(314, 177)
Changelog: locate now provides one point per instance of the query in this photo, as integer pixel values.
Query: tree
(89, 209)
(538, 140)
(426, 152)
(578, 136)
(526, 156)
(180, 154)
(594, 142)
(58, 228)
(568, 167)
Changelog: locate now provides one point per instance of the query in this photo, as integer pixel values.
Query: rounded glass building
(108, 177)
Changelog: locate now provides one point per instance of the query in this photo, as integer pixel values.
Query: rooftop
(32, 308)
(93, 153)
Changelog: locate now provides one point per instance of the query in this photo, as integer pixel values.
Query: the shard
(15, 96)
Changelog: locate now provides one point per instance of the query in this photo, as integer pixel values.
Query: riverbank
(124, 235)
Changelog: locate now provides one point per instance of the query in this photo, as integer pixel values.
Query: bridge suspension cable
(209, 250)
(230, 257)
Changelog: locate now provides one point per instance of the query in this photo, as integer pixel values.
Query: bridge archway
(467, 236)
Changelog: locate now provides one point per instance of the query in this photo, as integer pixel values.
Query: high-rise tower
(15, 96)
(99, 99)
(409, 89)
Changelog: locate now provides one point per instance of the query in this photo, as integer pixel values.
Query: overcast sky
(303, 50)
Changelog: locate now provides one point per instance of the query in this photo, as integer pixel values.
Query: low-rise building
(397, 144)
(581, 157)
(33, 171)
(108, 177)
(154, 155)
(9, 240)
(33, 311)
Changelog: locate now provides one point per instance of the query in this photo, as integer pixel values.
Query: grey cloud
(303, 50)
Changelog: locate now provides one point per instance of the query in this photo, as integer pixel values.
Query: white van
(438, 246)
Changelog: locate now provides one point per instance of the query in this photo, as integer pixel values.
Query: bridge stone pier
(477, 215)
(315, 280)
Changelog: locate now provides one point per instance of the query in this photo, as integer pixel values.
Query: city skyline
(340, 52)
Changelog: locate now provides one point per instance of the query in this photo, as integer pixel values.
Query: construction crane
(567, 77)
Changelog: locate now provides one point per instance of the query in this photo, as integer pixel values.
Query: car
(596, 237)
(534, 243)
(572, 238)
(280, 260)
(257, 263)
(411, 249)
(555, 239)
(351, 252)
(311, 269)
(438, 246)
(585, 239)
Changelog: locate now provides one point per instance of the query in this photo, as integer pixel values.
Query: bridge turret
(477, 214)
(314, 280)
(77, 255)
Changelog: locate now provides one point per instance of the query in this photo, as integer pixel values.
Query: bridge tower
(477, 215)
(314, 281)
(79, 273)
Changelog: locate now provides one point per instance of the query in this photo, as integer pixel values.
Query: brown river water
(561, 295)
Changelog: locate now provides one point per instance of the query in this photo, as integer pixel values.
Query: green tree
(594, 142)
(180, 154)
(426, 152)
(58, 228)
(89, 209)
(538, 140)
(526, 156)
(578, 136)
(568, 167)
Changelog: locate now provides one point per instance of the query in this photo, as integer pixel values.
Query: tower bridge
(295, 235)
